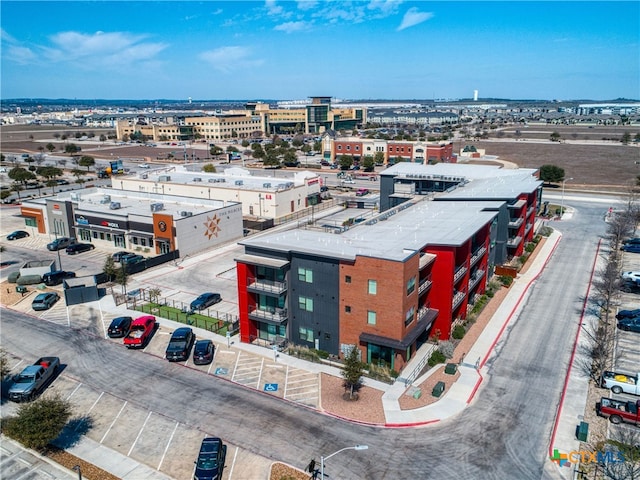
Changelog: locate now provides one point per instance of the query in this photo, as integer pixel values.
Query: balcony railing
(425, 284)
(426, 259)
(457, 299)
(477, 255)
(273, 315)
(514, 242)
(268, 286)
(475, 278)
(515, 222)
(460, 271)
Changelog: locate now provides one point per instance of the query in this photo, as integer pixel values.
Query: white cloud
(272, 8)
(227, 59)
(414, 17)
(307, 4)
(290, 27)
(20, 55)
(385, 7)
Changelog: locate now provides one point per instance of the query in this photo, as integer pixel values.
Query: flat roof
(396, 234)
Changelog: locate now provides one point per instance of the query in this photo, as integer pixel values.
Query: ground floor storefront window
(381, 356)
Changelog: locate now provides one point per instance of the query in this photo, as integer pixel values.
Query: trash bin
(451, 369)
(438, 389)
(21, 289)
(582, 431)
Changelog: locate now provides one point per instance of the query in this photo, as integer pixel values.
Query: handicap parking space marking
(221, 371)
(270, 387)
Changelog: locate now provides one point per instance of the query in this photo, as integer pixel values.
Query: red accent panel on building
(440, 296)
(247, 328)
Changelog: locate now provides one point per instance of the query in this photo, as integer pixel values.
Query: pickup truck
(621, 382)
(140, 332)
(618, 411)
(33, 379)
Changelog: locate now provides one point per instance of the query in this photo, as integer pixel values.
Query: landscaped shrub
(458, 332)
(545, 231)
(505, 280)
(529, 247)
(436, 357)
(13, 277)
(29, 279)
(447, 348)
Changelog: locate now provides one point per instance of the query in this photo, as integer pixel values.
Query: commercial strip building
(260, 197)
(144, 222)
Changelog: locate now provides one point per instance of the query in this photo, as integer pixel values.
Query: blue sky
(296, 49)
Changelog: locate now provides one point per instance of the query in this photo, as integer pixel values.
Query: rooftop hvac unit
(266, 185)
(144, 176)
(75, 196)
(106, 199)
(212, 180)
(156, 207)
(164, 178)
(239, 182)
(184, 213)
(197, 179)
(115, 206)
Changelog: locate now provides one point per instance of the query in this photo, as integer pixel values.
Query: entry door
(118, 240)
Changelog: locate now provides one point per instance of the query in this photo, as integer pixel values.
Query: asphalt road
(504, 434)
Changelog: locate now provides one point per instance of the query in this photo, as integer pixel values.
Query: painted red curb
(573, 353)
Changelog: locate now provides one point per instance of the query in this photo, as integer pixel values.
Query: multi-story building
(394, 151)
(517, 191)
(384, 286)
(150, 223)
(264, 197)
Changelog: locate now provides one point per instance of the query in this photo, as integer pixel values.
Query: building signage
(80, 220)
(104, 223)
(268, 196)
(56, 206)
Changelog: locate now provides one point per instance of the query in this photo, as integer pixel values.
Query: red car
(140, 332)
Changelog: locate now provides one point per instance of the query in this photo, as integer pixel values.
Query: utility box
(451, 369)
(582, 431)
(21, 289)
(438, 389)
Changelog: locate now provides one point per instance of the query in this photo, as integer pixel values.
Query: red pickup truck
(618, 411)
(140, 332)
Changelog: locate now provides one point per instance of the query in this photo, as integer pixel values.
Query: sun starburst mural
(212, 227)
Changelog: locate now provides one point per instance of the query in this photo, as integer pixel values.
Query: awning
(134, 233)
(95, 228)
(262, 261)
(408, 340)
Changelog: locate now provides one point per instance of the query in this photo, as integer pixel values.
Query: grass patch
(196, 319)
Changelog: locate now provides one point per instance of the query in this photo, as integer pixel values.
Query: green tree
(71, 148)
(87, 161)
(555, 137)
(109, 268)
(378, 158)
(551, 173)
(76, 172)
(38, 423)
(215, 151)
(122, 277)
(209, 168)
(367, 163)
(103, 138)
(352, 372)
(20, 175)
(290, 159)
(345, 162)
(626, 138)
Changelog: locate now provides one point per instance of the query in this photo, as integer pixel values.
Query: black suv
(210, 463)
(56, 277)
(60, 243)
(119, 327)
(79, 248)
(180, 345)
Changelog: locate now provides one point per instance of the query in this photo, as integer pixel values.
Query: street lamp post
(562, 197)
(322, 459)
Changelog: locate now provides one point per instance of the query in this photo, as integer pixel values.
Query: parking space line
(210, 367)
(113, 423)
(235, 456)
(286, 382)
(236, 366)
(167, 447)
(260, 374)
(28, 472)
(74, 391)
(139, 433)
(89, 411)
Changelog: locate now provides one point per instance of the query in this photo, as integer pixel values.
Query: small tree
(209, 168)
(551, 173)
(352, 372)
(154, 293)
(4, 364)
(87, 161)
(122, 277)
(109, 268)
(555, 137)
(71, 148)
(38, 423)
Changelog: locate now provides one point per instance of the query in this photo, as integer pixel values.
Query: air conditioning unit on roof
(239, 182)
(184, 213)
(197, 179)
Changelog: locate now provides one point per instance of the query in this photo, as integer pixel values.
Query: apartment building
(385, 285)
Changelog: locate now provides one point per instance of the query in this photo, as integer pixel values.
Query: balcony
(426, 259)
(425, 312)
(475, 278)
(460, 271)
(457, 299)
(514, 242)
(262, 285)
(271, 315)
(425, 284)
(515, 222)
(477, 255)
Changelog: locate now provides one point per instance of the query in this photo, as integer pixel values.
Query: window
(371, 317)
(373, 287)
(143, 242)
(30, 222)
(135, 240)
(347, 309)
(305, 304)
(95, 235)
(347, 279)
(306, 334)
(411, 285)
(305, 275)
(410, 314)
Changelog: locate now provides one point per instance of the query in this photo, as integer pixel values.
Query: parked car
(119, 327)
(631, 247)
(117, 257)
(361, 192)
(17, 235)
(203, 352)
(629, 324)
(79, 248)
(210, 462)
(628, 314)
(632, 241)
(131, 259)
(44, 301)
(140, 333)
(205, 300)
(180, 345)
(630, 287)
(144, 165)
(633, 276)
(55, 278)
(60, 243)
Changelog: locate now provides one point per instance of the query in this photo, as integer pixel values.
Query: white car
(144, 165)
(634, 276)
